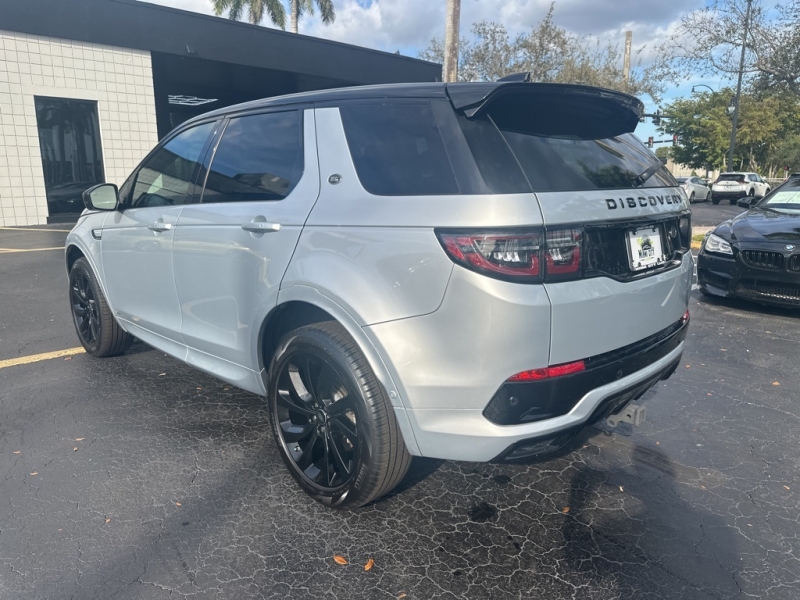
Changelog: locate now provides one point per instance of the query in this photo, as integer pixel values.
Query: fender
(380, 367)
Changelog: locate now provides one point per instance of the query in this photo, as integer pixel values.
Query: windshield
(731, 177)
(785, 196)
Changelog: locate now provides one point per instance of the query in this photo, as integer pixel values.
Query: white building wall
(119, 79)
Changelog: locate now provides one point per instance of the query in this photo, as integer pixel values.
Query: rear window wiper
(640, 179)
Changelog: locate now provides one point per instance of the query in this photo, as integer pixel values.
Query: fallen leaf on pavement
(402, 595)
(339, 560)
(775, 383)
(79, 439)
(722, 350)
(369, 565)
(68, 358)
(688, 366)
(565, 510)
(17, 451)
(161, 374)
(35, 473)
(620, 489)
(658, 443)
(787, 487)
(108, 520)
(178, 504)
(75, 449)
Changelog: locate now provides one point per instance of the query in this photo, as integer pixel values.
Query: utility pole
(739, 88)
(626, 61)
(450, 70)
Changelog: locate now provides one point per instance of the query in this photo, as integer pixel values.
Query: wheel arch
(301, 305)
(72, 254)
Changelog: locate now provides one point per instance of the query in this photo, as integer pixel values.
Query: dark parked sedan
(756, 255)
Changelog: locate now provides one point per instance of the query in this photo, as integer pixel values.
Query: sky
(408, 26)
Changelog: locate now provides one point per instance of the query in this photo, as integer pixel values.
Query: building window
(69, 140)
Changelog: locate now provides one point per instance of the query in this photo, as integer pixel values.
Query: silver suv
(462, 271)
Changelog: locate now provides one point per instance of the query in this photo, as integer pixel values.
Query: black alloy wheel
(98, 331)
(84, 309)
(332, 420)
(319, 423)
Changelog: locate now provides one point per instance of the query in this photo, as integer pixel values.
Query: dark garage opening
(186, 86)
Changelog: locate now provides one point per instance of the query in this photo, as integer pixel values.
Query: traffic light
(675, 139)
(650, 142)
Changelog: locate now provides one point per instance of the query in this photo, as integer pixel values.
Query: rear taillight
(549, 372)
(529, 256)
(562, 254)
(508, 256)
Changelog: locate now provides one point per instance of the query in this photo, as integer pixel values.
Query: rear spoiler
(598, 112)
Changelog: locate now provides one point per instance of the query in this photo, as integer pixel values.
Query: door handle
(160, 226)
(261, 226)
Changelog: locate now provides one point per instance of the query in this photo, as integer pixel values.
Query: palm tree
(255, 10)
(299, 7)
(275, 10)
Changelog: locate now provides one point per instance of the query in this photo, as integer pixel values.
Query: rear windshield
(731, 177)
(408, 148)
(556, 163)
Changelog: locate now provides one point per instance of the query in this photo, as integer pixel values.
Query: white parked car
(732, 186)
(695, 188)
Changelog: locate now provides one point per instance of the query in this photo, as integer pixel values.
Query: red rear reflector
(685, 318)
(549, 372)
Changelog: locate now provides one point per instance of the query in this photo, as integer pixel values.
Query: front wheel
(98, 331)
(332, 420)
(691, 198)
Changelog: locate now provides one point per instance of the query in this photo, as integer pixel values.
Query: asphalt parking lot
(138, 477)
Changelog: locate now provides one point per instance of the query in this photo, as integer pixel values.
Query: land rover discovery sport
(462, 271)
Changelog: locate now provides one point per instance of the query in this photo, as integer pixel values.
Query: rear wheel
(332, 420)
(98, 331)
(691, 198)
(713, 199)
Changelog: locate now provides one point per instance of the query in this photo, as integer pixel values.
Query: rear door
(232, 248)
(137, 240)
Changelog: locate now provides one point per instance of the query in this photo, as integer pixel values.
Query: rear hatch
(729, 182)
(617, 225)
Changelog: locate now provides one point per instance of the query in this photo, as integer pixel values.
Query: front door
(232, 249)
(137, 240)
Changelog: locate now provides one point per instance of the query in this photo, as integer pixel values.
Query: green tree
(550, 54)
(703, 126)
(275, 10)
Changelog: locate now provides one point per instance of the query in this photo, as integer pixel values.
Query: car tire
(332, 420)
(97, 329)
(691, 198)
(713, 199)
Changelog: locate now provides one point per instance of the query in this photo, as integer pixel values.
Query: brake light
(509, 256)
(549, 372)
(563, 253)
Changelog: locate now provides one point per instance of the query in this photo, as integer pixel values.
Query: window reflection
(72, 159)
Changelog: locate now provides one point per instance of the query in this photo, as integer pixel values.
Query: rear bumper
(468, 435)
(729, 195)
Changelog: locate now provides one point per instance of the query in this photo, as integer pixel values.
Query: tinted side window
(397, 149)
(259, 158)
(167, 177)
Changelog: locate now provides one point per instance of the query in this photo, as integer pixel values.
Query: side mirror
(103, 196)
(746, 202)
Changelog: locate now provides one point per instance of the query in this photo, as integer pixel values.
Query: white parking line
(32, 229)
(12, 250)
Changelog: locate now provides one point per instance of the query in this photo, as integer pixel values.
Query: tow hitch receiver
(633, 414)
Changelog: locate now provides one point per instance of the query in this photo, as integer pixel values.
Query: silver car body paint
(441, 339)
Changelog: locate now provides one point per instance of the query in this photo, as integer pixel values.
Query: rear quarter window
(397, 149)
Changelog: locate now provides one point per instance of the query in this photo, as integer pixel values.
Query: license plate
(644, 248)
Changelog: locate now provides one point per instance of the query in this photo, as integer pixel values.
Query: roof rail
(524, 77)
